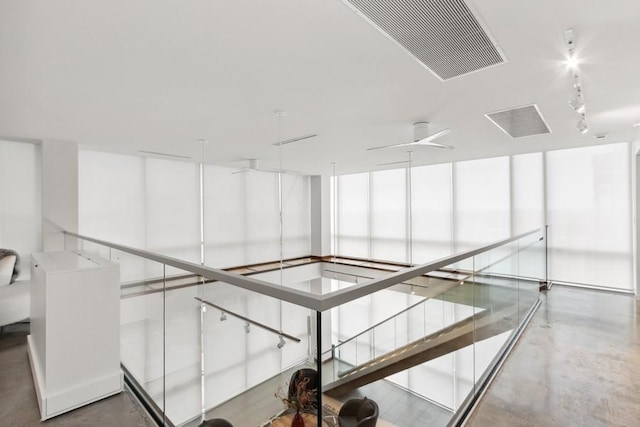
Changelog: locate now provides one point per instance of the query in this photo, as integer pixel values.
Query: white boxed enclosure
(74, 346)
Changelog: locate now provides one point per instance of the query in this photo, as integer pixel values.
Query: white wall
(59, 193)
(21, 200)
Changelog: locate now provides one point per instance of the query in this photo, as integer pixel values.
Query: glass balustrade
(200, 343)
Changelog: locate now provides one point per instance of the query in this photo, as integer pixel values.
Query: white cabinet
(74, 345)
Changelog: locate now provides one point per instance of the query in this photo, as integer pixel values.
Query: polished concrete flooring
(577, 364)
(19, 405)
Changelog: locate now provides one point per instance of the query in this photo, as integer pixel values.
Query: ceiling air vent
(444, 35)
(520, 121)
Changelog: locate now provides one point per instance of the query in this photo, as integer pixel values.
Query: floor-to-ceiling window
(584, 194)
(431, 212)
(589, 212)
(353, 215)
(481, 198)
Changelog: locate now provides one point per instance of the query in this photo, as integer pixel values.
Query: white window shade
(589, 212)
(482, 202)
(431, 212)
(389, 215)
(528, 192)
(173, 208)
(263, 217)
(296, 216)
(112, 205)
(353, 215)
(225, 216)
(242, 217)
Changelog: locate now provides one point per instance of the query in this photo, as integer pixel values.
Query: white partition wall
(589, 210)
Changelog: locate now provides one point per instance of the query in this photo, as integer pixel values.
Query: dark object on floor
(358, 413)
(216, 422)
(298, 377)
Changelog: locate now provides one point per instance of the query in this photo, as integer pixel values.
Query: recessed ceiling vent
(520, 121)
(443, 35)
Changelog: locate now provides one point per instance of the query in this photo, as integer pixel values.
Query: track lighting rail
(250, 321)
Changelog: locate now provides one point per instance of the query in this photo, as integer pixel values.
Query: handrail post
(319, 362)
(546, 284)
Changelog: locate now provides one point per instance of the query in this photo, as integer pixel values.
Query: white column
(636, 176)
(320, 194)
(59, 192)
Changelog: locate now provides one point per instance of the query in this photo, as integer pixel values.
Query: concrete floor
(577, 364)
(19, 405)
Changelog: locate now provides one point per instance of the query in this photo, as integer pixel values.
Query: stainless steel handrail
(351, 293)
(294, 296)
(298, 297)
(381, 322)
(421, 302)
(246, 319)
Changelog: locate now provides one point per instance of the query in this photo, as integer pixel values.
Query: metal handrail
(294, 296)
(306, 299)
(381, 322)
(423, 301)
(343, 296)
(246, 319)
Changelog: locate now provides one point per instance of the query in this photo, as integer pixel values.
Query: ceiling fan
(254, 167)
(421, 137)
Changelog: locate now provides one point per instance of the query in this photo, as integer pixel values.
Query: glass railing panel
(94, 248)
(449, 322)
(470, 310)
(252, 345)
(142, 334)
(496, 292)
(183, 346)
(384, 339)
(137, 271)
(452, 371)
(531, 268)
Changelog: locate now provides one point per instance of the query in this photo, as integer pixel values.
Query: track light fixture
(582, 125)
(576, 101)
(282, 342)
(247, 327)
(223, 316)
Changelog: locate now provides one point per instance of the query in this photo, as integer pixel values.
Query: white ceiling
(124, 76)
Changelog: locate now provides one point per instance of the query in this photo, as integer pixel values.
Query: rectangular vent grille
(443, 35)
(520, 121)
